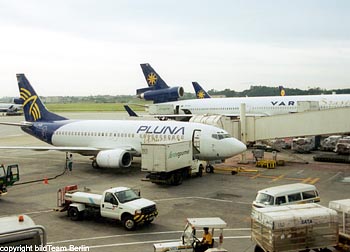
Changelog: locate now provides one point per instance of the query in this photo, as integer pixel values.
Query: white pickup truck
(119, 203)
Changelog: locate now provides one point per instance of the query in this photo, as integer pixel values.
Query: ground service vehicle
(119, 203)
(294, 228)
(342, 207)
(297, 193)
(8, 177)
(330, 142)
(343, 146)
(170, 163)
(19, 233)
(303, 144)
(189, 240)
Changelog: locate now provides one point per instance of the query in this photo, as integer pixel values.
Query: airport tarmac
(214, 195)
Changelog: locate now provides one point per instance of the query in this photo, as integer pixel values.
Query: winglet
(130, 111)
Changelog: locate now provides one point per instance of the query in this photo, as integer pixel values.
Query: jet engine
(114, 158)
(162, 95)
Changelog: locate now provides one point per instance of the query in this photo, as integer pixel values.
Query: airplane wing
(85, 151)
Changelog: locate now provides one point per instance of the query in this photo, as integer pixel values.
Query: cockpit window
(220, 136)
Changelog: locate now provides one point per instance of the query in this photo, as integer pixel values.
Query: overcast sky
(95, 47)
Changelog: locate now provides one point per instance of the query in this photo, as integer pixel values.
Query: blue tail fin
(282, 91)
(34, 110)
(200, 92)
(153, 79)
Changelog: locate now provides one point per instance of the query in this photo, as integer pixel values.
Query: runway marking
(138, 234)
(314, 181)
(278, 178)
(42, 211)
(36, 212)
(203, 198)
(336, 175)
(307, 180)
(15, 135)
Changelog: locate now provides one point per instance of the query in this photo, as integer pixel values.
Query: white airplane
(10, 108)
(113, 143)
(257, 106)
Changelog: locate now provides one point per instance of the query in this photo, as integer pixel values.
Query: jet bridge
(309, 123)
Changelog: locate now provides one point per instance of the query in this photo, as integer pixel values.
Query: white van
(298, 193)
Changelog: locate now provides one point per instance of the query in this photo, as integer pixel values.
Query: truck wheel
(258, 249)
(129, 223)
(209, 169)
(178, 179)
(200, 171)
(74, 214)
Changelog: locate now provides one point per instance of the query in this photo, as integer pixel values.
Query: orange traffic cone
(46, 181)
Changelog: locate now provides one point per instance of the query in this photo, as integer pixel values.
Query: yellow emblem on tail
(283, 93)
(200, 94)
(152, 79)
(27, 97)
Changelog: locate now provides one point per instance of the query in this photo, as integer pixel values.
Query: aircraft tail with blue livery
(33, 108)
(200, 92)
(157, 91)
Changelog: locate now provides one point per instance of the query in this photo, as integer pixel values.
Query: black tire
(129, 223)
(209, 169)
(178, 178)
(258, 249)
(95, 165)
(74, 214)
(200, 171)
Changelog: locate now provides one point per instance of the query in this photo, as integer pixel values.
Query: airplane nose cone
(238, 147)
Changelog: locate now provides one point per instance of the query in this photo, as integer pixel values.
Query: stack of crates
(294, 227)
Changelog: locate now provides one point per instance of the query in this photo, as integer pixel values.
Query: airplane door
(196, 141)
(177, 109)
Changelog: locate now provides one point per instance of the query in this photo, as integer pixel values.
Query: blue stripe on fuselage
(45, 130)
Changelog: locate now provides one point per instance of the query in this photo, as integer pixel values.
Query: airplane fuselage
(264, 106)
(129, 135)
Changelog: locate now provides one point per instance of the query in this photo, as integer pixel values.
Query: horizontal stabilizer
(20, 124)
